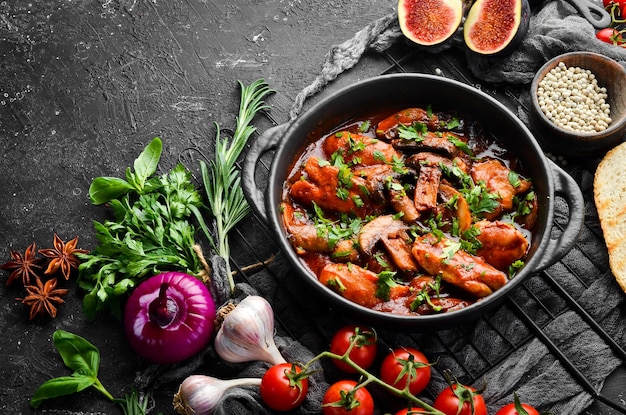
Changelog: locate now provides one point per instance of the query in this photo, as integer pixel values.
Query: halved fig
(429, 22)
(496, 27)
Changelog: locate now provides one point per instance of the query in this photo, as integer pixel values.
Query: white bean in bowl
(571, 98)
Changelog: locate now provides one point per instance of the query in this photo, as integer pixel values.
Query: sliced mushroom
(462, 210)
(429, 141)
(400, 252)
(381, 227)
(428, 158)
(426, 188)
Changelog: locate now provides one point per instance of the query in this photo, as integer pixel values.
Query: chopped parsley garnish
(450, 249)
(480, 200)
(378, 256)
(523, 205)
(515, 266)
(414, 132)
(469, 241)
(478, 197)
(452, 123)
(342, 193)
(335, 230)
(397, 165)
(514, 179)
(358, 201)
(424, 296)
(460, 144)
(384, 284)
(355, 145)
(379, 156)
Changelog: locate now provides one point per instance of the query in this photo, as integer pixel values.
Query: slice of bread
(609, 191)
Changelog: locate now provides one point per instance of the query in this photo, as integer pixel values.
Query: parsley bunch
(151, 230)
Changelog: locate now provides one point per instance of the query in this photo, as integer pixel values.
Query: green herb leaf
(61, 386)
(452, 123)
(515, 266)
(146, 164)
(105, 189)
(384, 284)
(514, 179)
(80, 356)
(77, 353)
(414, 132)
(460, 144)
(450, 249)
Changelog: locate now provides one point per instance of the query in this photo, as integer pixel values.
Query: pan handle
(267, 141)
(567, 188)
(595, 14)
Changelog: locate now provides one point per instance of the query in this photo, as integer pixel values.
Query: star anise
(43, 298)
(23, 266)
(62, 256)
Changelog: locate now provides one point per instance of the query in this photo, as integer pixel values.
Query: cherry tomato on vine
(517, 408)
(284, 387)
(342, 398)
(364, 350)
(510, 409)
(404, 365)
(610, 35)
(620, 3)
(458, 399)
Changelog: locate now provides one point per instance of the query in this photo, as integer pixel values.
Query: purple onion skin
(188, 332)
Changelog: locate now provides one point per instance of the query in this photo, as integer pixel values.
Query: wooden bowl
(554, 138)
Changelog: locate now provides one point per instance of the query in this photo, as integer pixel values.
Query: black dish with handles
(406, 90)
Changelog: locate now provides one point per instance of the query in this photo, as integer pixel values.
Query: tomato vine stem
(370, 378)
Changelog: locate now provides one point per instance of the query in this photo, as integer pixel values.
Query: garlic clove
(247, 333)
(200, 394)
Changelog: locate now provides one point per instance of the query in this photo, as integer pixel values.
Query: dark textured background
(85, 85)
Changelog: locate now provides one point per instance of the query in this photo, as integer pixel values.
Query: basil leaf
(105, 189)
(61, 386)
(77, 353)
(146, 164)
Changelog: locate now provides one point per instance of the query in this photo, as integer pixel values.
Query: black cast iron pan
(404, 90)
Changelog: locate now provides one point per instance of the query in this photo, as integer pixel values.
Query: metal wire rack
(525, 317)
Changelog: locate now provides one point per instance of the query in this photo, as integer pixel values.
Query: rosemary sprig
(222, 182)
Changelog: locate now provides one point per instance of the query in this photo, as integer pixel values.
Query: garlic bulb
(247, 333)
(200, 395)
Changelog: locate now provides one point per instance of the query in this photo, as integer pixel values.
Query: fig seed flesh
(429, 22)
